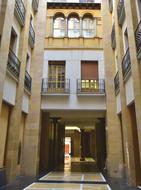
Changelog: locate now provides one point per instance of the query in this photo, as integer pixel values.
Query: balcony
(55, 86)
(31, 36)
(27, 82)
(35, 4)
(116, 83)
(113, 37)
(126, 64)
(20, 12)
(91, 86)
(13, 65)
(138, 40)
(110, 5)
(121, 12)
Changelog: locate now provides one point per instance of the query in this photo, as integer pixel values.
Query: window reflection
(88, 27)
(73, 27)
(59, 27)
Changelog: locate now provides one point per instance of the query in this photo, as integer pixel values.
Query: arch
(88, 15)
(73, 14)
(58, 14)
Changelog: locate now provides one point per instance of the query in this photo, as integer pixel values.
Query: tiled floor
(70, 180)
(73, 176)
(66, 186)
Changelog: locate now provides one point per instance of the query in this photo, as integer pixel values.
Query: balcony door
(56, 73)
(89, 76)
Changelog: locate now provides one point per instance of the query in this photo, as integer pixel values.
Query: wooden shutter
(89, 70)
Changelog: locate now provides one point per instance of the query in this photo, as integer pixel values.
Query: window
(89, 76)
(59, 27)
(88, 27)
(13, 41)
(28, 63)
(73, 27)
(56, 76)
(126, 44)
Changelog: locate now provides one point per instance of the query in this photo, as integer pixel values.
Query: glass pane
(59, 27)
(73, 27)
(88, 27)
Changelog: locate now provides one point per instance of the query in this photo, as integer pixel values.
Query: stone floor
(68, 180)
(23, 182)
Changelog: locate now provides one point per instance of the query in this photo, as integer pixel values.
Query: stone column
(30, 164)
(114, 143)
(6, 20)
(81, 27)
(82, 145)
(13, 139)
(51, 26)
(66, 27)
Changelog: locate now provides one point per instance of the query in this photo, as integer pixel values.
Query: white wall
(73, 72)
(25, 103)
(118, 101)
(129, 90)
(10, 87)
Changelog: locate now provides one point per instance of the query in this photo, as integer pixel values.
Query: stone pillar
(130, 7)
(66, 27)
(30, 164)
(81, 27)
(6, 20)
(51, 26)
(82, 145)
(11, 159)
(114, 143)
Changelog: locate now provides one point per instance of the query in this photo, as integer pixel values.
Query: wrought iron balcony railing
(91, 86)
(110, 5)
(113, 37)
(55, 86)
(35, 4)
(126, 64)
(121, 12)
(116, 82)
(31, 36)
(138, 39)
(13, 65)
(20, 12)
(28, 82)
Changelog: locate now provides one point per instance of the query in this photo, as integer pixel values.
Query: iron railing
(35, 4)
(121, 11)
(90, 86)
(55, 86)
(138, 38)
(113, 37)
(13, 65)
(20, 11)
(31, 36)
(110, 5)
(27, 82)
(126, 64)
(116, 83)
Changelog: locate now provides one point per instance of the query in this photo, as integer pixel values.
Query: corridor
(70, 180)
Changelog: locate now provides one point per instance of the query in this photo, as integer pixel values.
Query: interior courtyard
(70, 94)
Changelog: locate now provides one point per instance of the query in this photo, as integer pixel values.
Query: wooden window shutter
(89, 70)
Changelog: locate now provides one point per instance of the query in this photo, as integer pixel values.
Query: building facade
(122, 71)
(70, 70)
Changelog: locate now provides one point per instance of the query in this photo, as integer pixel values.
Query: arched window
(59, 27)
(73, 27)
(89, 28)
